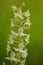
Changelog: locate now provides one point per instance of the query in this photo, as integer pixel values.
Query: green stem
(11, 62)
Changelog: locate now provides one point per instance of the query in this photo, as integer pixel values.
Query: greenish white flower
(27, 14)
(27, 38)
(14, 8)
(21, 45)
(21, 32)
(14, 33)
(16, 49)
(18, 15)
(22, 51)
(12, 23)
(27, 23)
(24, 55)
(8, 48)
(10, 41)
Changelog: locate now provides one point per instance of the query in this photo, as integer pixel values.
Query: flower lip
(4, 63)
(13, 59)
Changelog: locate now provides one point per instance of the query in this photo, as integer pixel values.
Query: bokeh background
(35, 48)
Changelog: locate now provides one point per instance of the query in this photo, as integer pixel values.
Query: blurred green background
(35, 48)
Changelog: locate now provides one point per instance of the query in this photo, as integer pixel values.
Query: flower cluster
(18, 39)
